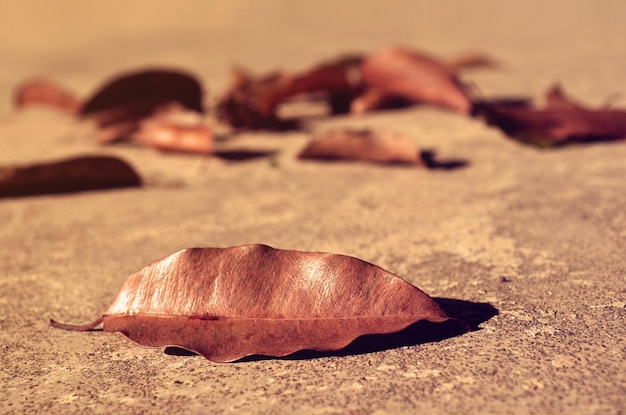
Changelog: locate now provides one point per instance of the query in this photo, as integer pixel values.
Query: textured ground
(537, 234)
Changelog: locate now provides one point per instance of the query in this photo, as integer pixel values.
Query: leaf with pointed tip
(363, 144)
(563, 121)
(228, 303)
(71, 175)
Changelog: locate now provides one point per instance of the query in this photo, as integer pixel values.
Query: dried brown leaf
(338, 81)
(119, 106)
(362, 144)
(563, 121)
(415, 77)
(229, 303)
(71, 175)
(385, 78)
(44, 93)
(177, 130)
(253, 102)
(376, 99)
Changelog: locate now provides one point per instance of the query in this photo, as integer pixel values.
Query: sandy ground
(537, 235)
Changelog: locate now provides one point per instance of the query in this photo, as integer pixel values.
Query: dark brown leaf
(44, 93)
(123, 102)
(362, 144)
(71, 175)
(562, 121)
(229, 303)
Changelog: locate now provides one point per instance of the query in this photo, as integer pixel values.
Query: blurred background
(80, 42)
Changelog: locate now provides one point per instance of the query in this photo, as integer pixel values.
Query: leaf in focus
(122, 103)
(228, 303)
(563, 121)
(70, 175)
(44, 93)
(362, 144)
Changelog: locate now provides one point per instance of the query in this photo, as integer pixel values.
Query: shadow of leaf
(243, 155)
(472, 313)
(421, 332)
(430, 160)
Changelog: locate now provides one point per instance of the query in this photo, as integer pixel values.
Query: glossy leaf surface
(227, 303)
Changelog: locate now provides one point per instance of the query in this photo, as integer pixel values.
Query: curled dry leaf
(124, 102)
(338, 81)
(413, 76)
(362, 144)
(385, 78)
(562, 121)
(71, 175)
(228, 303)
(44, 93)
(251, 102)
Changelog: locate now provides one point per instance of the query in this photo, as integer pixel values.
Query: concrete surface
(538, 235)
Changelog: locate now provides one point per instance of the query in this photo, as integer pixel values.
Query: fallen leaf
(414, 76)
(70, 175)
(44, 93)
(362, 144)
(228, 303)
(122, 103)
(563, 121)
(557, 99)
(338, 81)
(175, 130)
(251, 102)
(386, 78)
